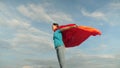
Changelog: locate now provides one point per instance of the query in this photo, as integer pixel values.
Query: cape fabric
(75, 36)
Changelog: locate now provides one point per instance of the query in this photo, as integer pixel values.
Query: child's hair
(56, 24)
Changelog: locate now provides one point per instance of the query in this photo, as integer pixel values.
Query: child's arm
(68, 27)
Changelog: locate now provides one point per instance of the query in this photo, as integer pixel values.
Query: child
(58, 42)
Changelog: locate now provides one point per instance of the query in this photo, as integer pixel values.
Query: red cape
(75, 36)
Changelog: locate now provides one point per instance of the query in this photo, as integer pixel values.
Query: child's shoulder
(58, 30)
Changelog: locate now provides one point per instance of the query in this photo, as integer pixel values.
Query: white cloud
(25, 42)
(4, 44)
(115, 5)
(41, 13)
(35, 12)
(100, 47)
(112, 13)
(80, 60)
(10, 20)
(23, 36)
(29, 38)
(107, 56)
(95, 14)
(61, 17)
(3, 8)
(27, 66)
(93, 61)
(90, 56)
(108, 13)
(14, 23)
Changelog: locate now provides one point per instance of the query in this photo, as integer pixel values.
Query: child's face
(54, 27)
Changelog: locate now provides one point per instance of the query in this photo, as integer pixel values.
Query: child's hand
(75, 26)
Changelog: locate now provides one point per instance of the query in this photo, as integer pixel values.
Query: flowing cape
(75, 36)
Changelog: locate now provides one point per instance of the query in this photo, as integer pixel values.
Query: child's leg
(61, 56)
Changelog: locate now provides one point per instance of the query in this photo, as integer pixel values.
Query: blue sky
(26, 35)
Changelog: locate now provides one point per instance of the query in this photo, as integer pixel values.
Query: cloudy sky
(26, 36)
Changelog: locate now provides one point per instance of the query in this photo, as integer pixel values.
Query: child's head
(55, 26)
